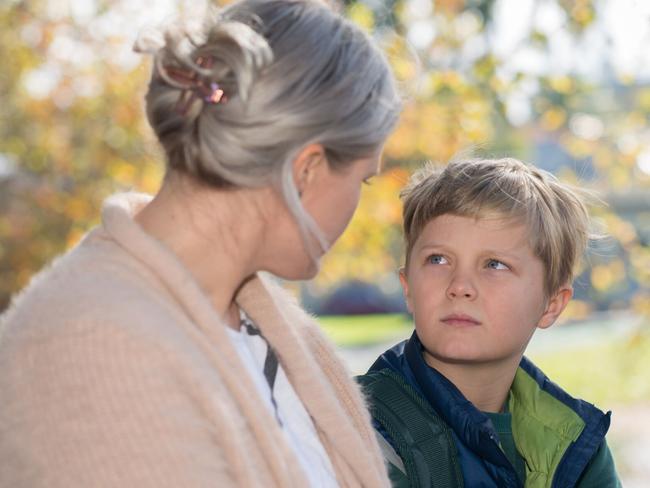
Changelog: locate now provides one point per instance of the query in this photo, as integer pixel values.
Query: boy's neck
(486, 385)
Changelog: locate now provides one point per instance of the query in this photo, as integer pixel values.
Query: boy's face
(476, 290)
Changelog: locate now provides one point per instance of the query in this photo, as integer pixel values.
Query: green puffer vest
(543, 429)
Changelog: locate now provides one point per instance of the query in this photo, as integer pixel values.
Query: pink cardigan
(115, 371)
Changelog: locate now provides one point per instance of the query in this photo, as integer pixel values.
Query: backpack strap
(420, 437)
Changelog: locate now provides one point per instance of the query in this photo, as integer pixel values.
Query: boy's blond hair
(554, 212)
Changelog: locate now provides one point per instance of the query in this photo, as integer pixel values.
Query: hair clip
(210, 93)
(216, 95)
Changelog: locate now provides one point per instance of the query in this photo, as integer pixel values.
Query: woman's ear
(307, 166)
(555, 306)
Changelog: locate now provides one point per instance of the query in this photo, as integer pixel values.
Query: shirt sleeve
(601, 471)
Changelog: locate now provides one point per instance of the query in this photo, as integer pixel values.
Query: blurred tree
(467, 93)
(72, 129)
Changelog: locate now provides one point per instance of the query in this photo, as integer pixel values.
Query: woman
(155, 353)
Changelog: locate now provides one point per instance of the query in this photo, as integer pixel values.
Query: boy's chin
(451, 355)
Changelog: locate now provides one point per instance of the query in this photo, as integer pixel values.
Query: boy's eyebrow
(431, 245)
(487, 252)
(505, 254)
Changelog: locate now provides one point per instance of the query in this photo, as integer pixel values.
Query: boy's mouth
(460, 320)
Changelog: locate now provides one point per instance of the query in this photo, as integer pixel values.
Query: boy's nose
(461, 288)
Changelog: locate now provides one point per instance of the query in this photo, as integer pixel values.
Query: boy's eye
(437, 259)
(496, 264)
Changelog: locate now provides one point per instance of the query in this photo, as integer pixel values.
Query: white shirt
(285, 405)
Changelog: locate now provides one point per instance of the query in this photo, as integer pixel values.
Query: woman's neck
(216, 235)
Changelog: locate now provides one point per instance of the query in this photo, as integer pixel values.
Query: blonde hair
(294, 73)
(554, 212)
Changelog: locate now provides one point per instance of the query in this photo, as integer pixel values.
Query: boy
(491, 246)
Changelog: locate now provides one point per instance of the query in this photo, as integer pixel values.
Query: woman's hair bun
(237, 53)
(294, 72)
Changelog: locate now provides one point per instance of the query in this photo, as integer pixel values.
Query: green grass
(612, 372)
(362, 330)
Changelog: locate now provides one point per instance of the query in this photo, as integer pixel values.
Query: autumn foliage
(72, 132)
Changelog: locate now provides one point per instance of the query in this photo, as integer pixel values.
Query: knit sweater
(116, 371)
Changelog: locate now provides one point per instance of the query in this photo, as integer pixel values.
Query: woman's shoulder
(95, 372)
(268, 298)
(288, 304)
(93, 285)
(306, 326)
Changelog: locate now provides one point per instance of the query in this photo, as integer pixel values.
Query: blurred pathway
(629, 439)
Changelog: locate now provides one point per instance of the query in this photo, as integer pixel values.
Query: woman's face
(331, 199)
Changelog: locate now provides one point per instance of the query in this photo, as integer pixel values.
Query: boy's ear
(555, 306)
(403, 279)
(307, 165)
